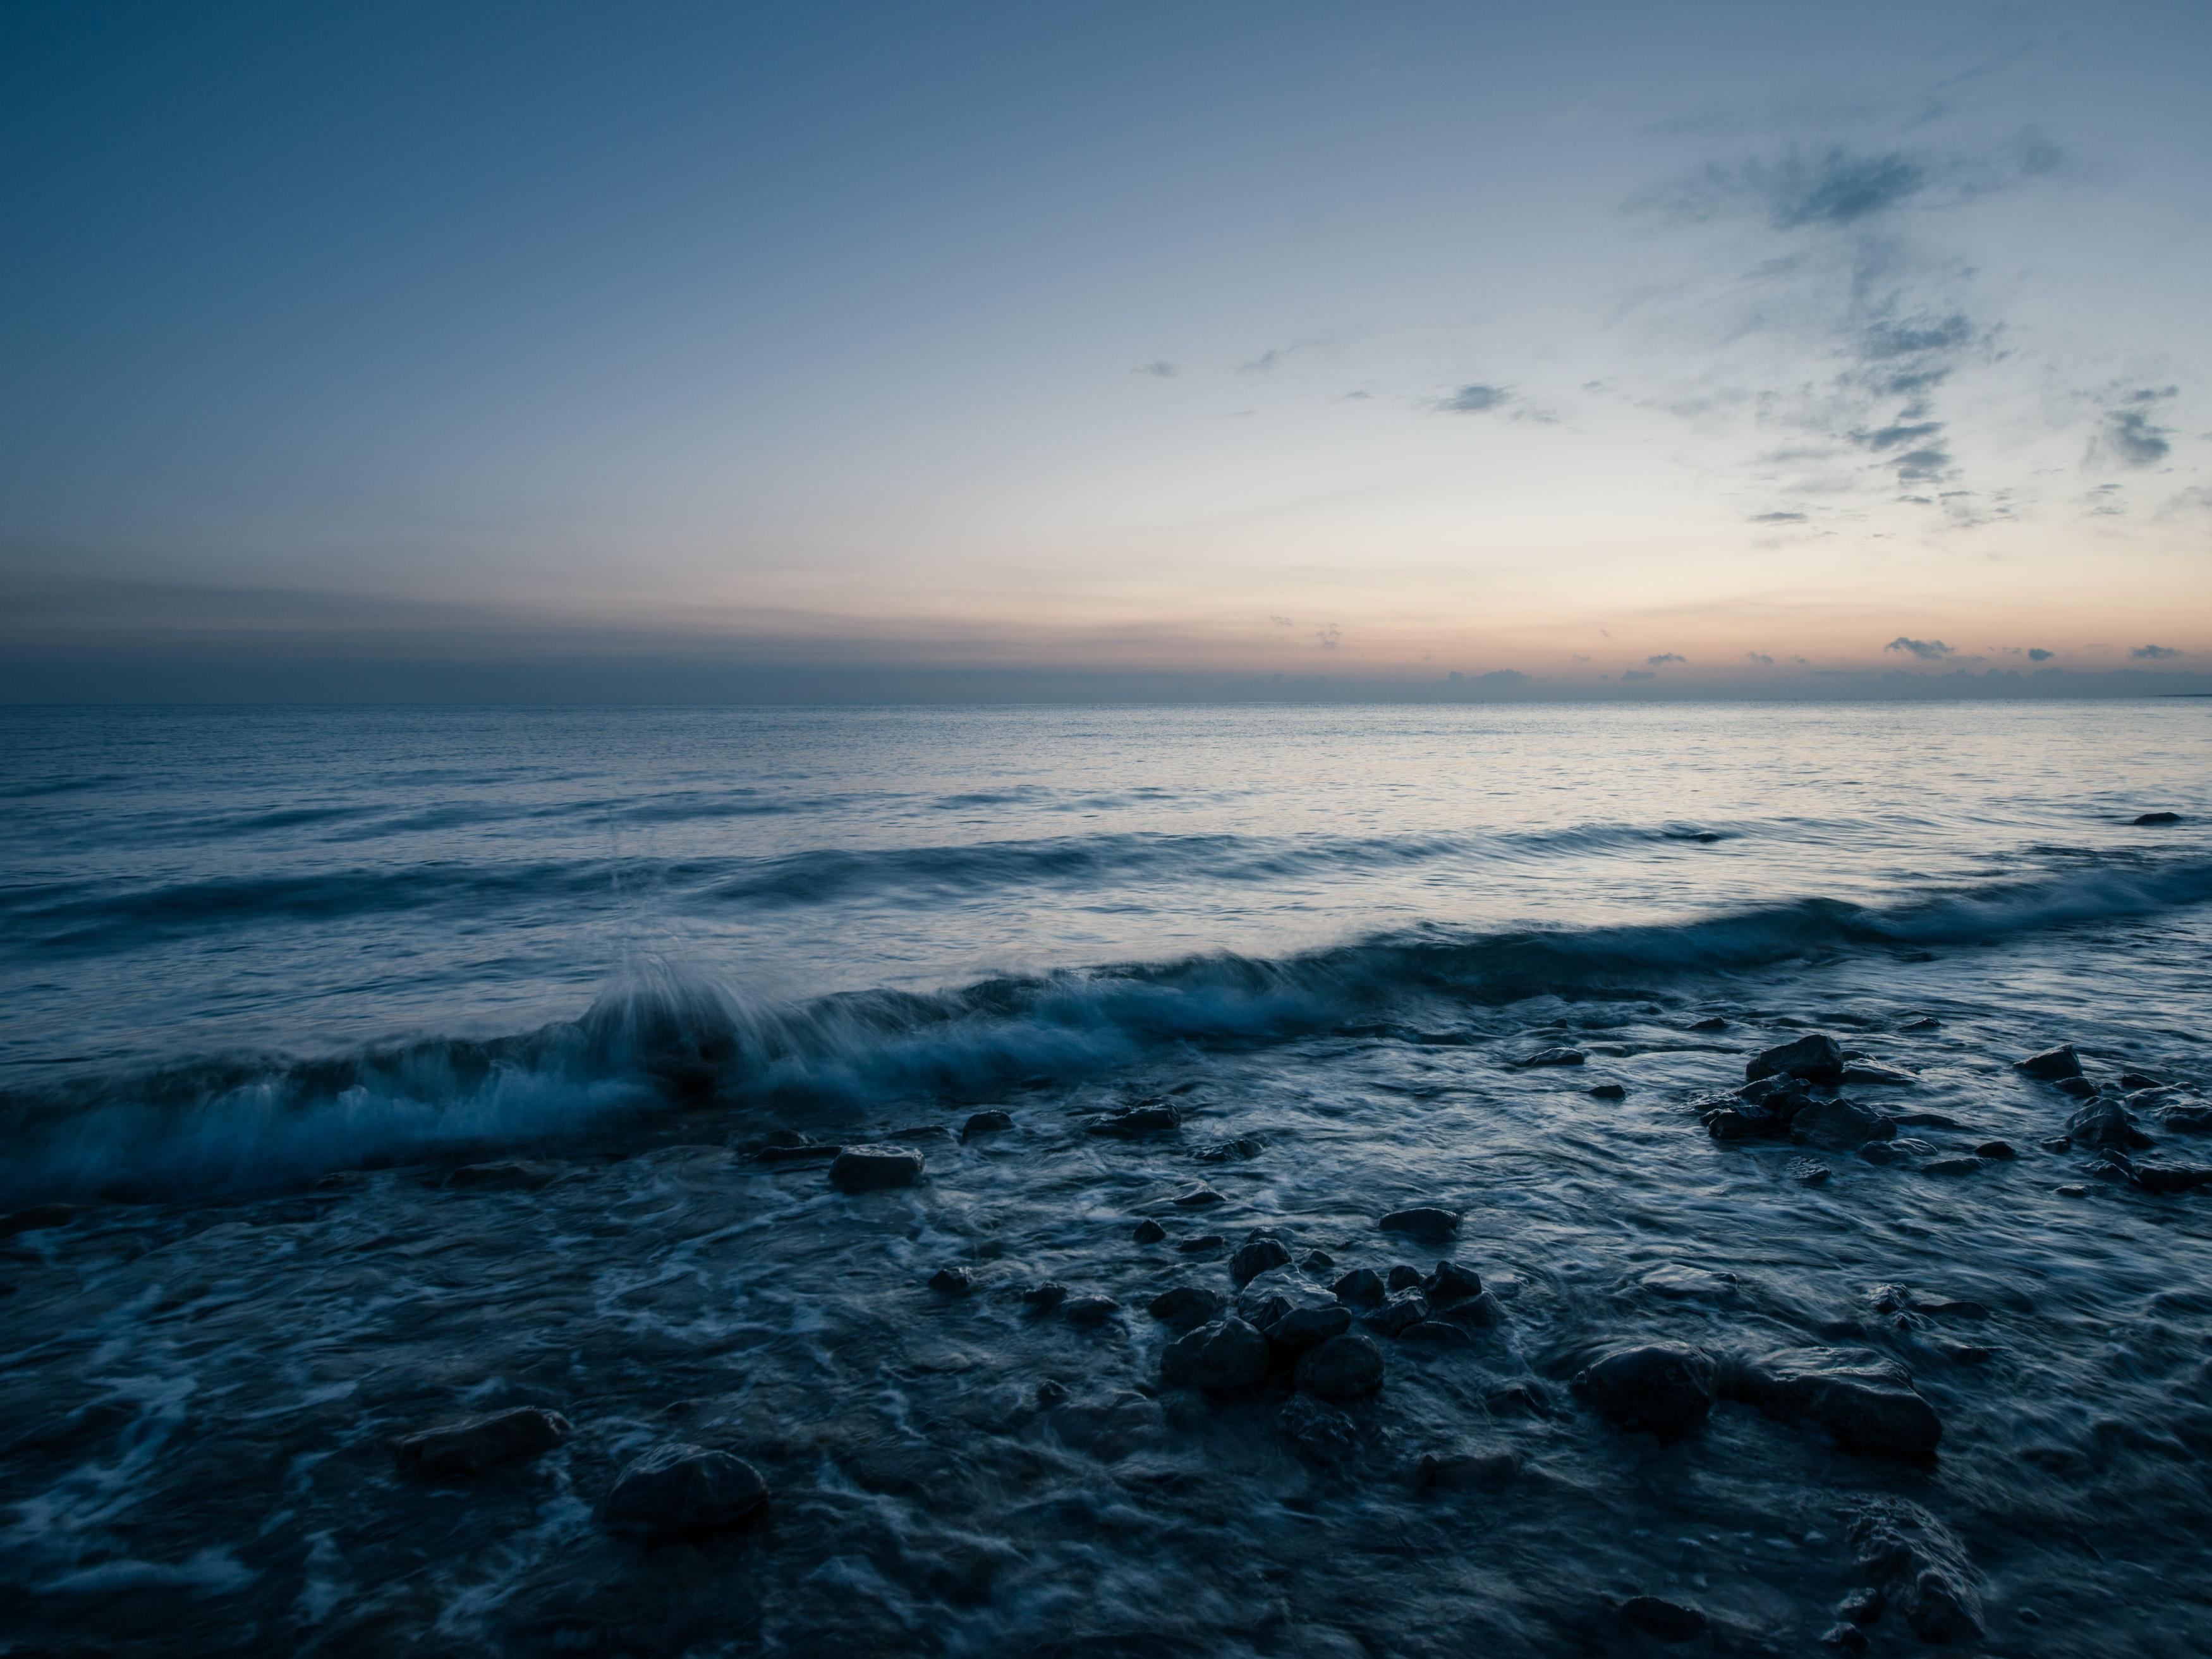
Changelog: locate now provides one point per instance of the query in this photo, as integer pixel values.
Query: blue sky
(766, 350)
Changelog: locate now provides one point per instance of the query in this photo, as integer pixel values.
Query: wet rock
(2051, 1065)
(1849, 1638)
(952, 1281)
(991, 1121)
(1862, 1605)
(1149, 1231)
(1184, 1306)
(1710, 1023)
(1308, 1324)
(1960, 1165)
(1663, 1620)
(1403, 1276)
(1198, 1198)
(1867, 1402)
(1467, 1471)
(799, 1152)
(1744, 1123)
(504, 1175)
(1222, 1357)
(36, 1218)
(1922, 1023)
(1436, 1331)
(1256, 1257)
(914, 1131)
(2106, 1123)
(1133, 1122)
(2186, 1119)
(1608, 1092)
(1204, 1244)
(684, 1489)
(1999, 1150)
(1319, 1433)
(2152, 820)
(1400, 1313)
(1043, 1298)
(1837, 1126)
(1451, 1283)
(1926, 1121)
(1482, 1312)
(2080, 1087)
(1361, 1288)
(1812, 1059)
(1342, 1368)
(2138, 1080)
(1808, 1172)
(1229, 1151)
(457, 1452)
(2072, 1189)
(1050, 1393)
(1552, 1057)
(1921, 1567)
(1425, 1222)
(874, 1168)
(1863, 1071)
(1088, 1313)
(1664, 1387)
(2169, 1177)
(1522, 1397)
(1680, 1283)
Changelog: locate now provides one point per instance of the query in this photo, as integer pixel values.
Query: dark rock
(2106, 1123)
(1850, 1637)
(2072, 1189)
(1088, 1313)
(1403, 1276)
(1198, 1198)
(1952, 1166)
(1921, 1567)
(1436, 1331)
(1360, 1288)
(1664, 1387)
(1309, 1324)
(1806, 1172)
(1837, 1126)
(1423, 1222)
(1463, 1471)
(1922, 1023)
(914, 1131)
(1862, 1605)
(1257, 1257)
(2186, 1119)
(1867, 1402)
(36, 1218)
(2137, 1080)
(1483, 1312)
(1400, 1313)
(1867, 1072)
(986, 1122)
(1342, 1368)
(1552, 1057)
(1223, 1357)
(1523, 1397)
(1319, 1433)
(684, 1489)
(1998, 1150)
(2149, 820)
(952, 1281)
(2169, 1178)
(1050, 1393)
(1149, 1231)
(506, 1175)
(1710, 1023)
(1451, 1283)
(2051, 1065)
(1244, 1146)
(1133, 1122)
(1813, 1059)
(1184, 1306)
(802, 1152)
(1744, 1123)
(457, 1452)
(1663, 1620)
(1043, 1298)
(1204, 1244)
(2080, 1087)
(872, 1169)
(1926, 1121)
(1317, 1261)
(1608, 1092)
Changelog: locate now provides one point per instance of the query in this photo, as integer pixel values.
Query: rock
(1867, 1071)
(2138, 1080)
(1862, 1605)
(2186, 1119)
(2051, 1065)
(1204, 1244)
(1812, 1058)
(1664, 1387)
(1149, 1231)
(1679, 1282)
(1850, 1637)
(1256, 1257)
(2080, 1087)
(36, 1218)
(456, 1451)
(1998, 1150)
(1838, 1126)
(1360, 1288)
(1951, 1166)
(1400, 1313)
(1244, 1146)
(914, 1131)
(1483, 1312)
(1867, 1402)
(1921, 1567)
(1317, 1261)
(1608, 1092)
(1222, 1357)
(2169, 1178)
(1184, 1306)
(1463, 1471)
(2072, 1189)
(1807, 1172)
(1133, 1122)
(1926, 1121)
(2151, 820)
(1423, 1222)
(1310, 1324)
(1523, 1396)
(1403, 1276)
(1198, 1198)
(800, 1151)
(985, 1123)
(874, 1169)
(1710, 1023)
(1088, 1313)
(952, 1281)
(1043, 1298)
(506, 1175)
(1451, 1283)
(1320, 1434)
(684, 1489)
(2106, 1123)
(1342, 1368)
(1922, 1023)
(1552, 1057)
(1663, 1620)
(1436, 1331)
(1050, 1393)
(1744, 1123)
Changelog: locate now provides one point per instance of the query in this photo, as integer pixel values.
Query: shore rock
(1451, 1283)
(2150, 820)
(875, 1169)
(1133, 1122)
(1360, 1288)
(1310, 1324)
(2169, 1177)
(2106, 1123)
(1837, 1126)
(1342, 1368)
(1149, 1231)
(1222, 1357)
(1920, 1566)
(1867, 1402)
(1812, 1059)
(456, 1451)
(2051, 1065)
(1663, 1620)
(1423, 1222)
(681, 1489)
(1184, 1306)
(1664, 1387)
(1400, 1313)
(1256, 1256)
(986, 1122)
(1552, 1057)
(1608, 1092)
(1088, 1313)
(1198, 1198)
(1999, 1150)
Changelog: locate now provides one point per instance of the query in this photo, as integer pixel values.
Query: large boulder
(1867, 1402)
(1664, 1387)
(1221, 1357)
(1813, 1059)
(1839, 1125)
(1342, 1368)
(874, 1169)
(684, 1489)
(476, 1445)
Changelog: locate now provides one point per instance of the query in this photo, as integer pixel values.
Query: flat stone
(1553, 1057)
(1423, 1222)
(1222, 1357)
(2169, 1177)
(1342, 1368)
(1812, 1058)
(1867, 1402)
(1664, 1387)
(1663, 1620)
(476, 1445)
(684, 1489)
(2051, 1065)
(1184, 1306)
(991, 1121)
(875, 1169)
(1837, 1126)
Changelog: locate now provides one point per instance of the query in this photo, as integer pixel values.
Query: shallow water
(273, 978)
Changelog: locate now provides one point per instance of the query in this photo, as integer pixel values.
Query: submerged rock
(2051, 1065)
(1451, 1283)
(1320, 1434)
(1553, 1057)
(1466, 1471)
(2000, 1150)
(2106, 1123)
(506, 1175)
(1222, 1357)
(1710, 1023)
(1837, 1126)
(1812, 1059)
(682, 1489)
(1342, 1368)
(1404, 1276)
(1045, 1297)
(1865, 1071)
(874, 1168)
(1227, 1152)
(1867, 1402)
(1184, 1306)
(1663, 1620)
(1920, 1566)
(35, 1218)
(1088, 1313)
(1309, 1323)
(2149, 820)
(1922, 1023)
(986, 1122)
(1808, 1172)
(1132, 1122)
(799, 1152)
(476, 1445)
(1664, 1387)
(1198, 1198)
(1957, 1165)
(1204, 1244)
(952, 1281)
(2080, 1087)
(1423, 1222)
(1608, 1092)
(1149, 1231)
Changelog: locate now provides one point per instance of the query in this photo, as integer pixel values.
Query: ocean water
(400, 1063)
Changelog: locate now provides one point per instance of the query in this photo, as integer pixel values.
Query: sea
(363, 1069)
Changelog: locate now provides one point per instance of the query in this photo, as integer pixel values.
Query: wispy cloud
(2037, 654)
(2153, 653)
(1159, 368)
(1476, 398)
(2131, 436)
(1664, 657)
(1926, 650)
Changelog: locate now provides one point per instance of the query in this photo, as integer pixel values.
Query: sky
(813, 351)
